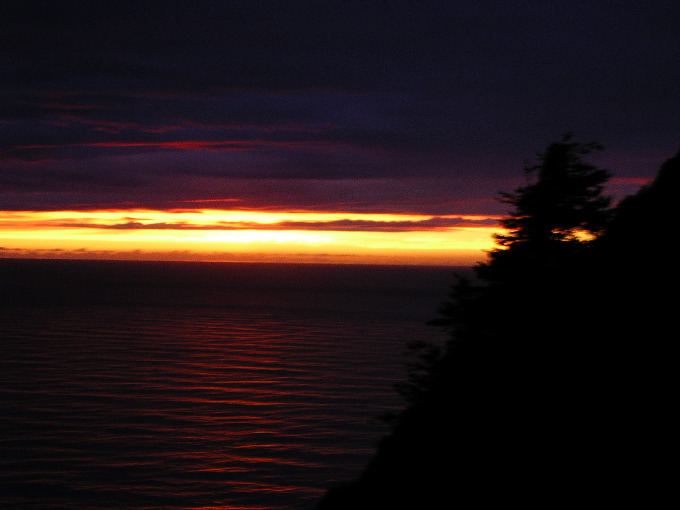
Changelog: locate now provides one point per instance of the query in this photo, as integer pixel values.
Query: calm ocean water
(199, 386)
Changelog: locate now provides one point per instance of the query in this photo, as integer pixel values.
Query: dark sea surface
(154, 385)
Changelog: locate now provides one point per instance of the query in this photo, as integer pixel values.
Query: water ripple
(142, 406)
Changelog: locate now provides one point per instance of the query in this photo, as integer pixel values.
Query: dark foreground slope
(564, 392)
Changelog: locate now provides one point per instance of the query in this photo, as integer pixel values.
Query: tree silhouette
(526, 296)
(555, 217)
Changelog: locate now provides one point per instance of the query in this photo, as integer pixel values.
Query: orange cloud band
(253, 235)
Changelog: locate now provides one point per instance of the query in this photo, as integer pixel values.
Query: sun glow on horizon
(212, 234)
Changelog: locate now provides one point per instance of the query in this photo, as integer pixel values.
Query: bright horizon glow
(246, 235)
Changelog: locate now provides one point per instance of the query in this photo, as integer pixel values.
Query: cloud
(431, 224)
(284, 119)
(150, 102)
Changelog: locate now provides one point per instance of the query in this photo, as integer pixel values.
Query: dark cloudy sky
(383, 106)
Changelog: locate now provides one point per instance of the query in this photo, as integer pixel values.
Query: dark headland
(557, 386)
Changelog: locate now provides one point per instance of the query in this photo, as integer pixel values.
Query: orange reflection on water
(194, 397)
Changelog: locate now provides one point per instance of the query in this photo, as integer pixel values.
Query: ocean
(156, 385)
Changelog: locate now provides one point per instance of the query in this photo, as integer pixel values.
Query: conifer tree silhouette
(556, 216)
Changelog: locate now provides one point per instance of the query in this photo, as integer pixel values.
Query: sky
(313, 131)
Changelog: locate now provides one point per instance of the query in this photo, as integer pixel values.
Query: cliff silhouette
(557, 385)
